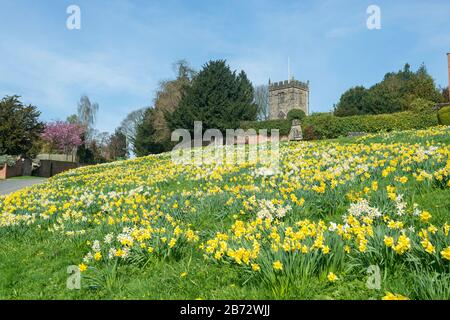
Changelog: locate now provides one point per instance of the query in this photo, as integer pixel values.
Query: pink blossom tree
(63, 136)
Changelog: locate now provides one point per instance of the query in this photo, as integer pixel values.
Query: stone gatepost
(296, 131)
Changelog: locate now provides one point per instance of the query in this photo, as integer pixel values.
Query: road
(11, 185)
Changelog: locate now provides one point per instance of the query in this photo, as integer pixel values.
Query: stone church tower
(287, 95)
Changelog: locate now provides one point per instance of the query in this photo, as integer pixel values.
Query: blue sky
(124, 48)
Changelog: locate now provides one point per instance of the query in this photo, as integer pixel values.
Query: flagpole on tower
(289, 70)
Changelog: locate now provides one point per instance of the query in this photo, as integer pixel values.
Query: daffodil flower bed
(328, 212)
(371, 236)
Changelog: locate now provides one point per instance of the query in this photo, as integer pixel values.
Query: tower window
(281, 97)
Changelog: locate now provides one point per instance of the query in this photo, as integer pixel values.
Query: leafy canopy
(145, 143)
(20, 127)
(218, 97)
(395, 93)
(296, 114)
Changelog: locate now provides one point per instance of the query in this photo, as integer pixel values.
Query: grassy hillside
(149, 228)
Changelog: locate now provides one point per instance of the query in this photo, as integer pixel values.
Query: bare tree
(129, 125)
(183, 69)
(262, 101)
(87, 114)
(168, 97)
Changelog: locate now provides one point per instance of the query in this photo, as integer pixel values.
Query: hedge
(296, 114)
(444, 116)
(283, 125)
(327, 126)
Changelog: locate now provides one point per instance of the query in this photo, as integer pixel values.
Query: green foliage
(117, 146)
(283, 125)
(145, 143)
(395, 93)
(73, 119)
(35, 260)
(296, 114)
(328, 126)
(444, 116)
(155, 125)
(20, 127)
(91, 153)
(217, 97)
(430, 286)
(352, 102)
(421, 105)
(85, 155)
(8, 160)
(445, 95)
(168, 97)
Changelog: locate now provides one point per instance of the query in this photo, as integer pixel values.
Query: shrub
(296, 114)
(421, 105)
(283, 125)
(328, 126)
(444, 116)
(8, 160)
(308, 133)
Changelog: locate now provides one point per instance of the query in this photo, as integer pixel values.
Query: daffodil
(332, 277)
(446, 253)
(82, 267)
(277, 265)
(393, 296)
(425, 216)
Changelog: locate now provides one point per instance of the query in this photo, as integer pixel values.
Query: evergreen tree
(117, 146)
(145, 143)
(352, 102)
(395, 93)
(20, 127)
(217, 97)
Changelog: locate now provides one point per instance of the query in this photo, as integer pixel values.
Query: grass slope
(73, 210)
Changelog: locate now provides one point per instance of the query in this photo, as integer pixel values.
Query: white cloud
(54, 82)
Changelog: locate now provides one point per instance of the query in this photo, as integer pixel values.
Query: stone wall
(287, 95)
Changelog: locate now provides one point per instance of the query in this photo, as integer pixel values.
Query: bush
(8, 160)
(421, 105)
(296, 114)
(328, 126)
(283, 125)
(308, 133)
(444, 116)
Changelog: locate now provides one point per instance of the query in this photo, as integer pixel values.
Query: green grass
(24, 178)
(34, 261)
(34, 266)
